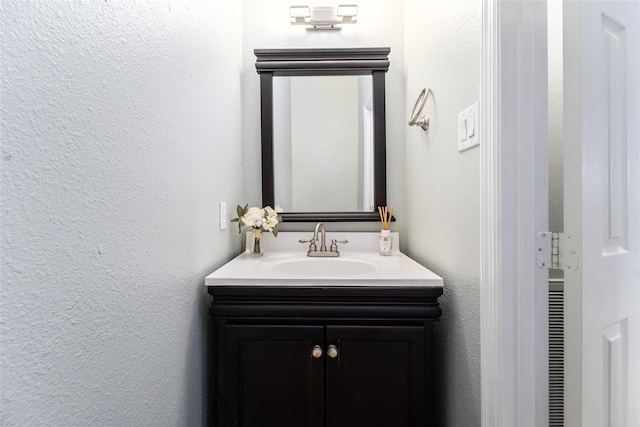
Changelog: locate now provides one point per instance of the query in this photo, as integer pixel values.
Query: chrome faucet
(313, 249)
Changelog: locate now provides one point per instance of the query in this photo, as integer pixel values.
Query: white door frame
(514, 292)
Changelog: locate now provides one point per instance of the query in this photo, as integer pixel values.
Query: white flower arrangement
(265, 218)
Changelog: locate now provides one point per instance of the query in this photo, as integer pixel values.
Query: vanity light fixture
(324, 17)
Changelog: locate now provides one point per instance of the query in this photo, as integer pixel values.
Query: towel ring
(415, 118)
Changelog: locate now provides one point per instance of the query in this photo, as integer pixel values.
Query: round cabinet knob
(316, 352)
(332, 352)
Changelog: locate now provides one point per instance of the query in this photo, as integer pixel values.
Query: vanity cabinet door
(377, 377)
(272, 378)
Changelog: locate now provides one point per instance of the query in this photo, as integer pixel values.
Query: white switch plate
(222, 209)
(468, 135)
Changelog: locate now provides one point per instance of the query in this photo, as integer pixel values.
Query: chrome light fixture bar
(324, 17)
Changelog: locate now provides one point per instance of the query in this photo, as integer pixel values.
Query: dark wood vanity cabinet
(321, 357)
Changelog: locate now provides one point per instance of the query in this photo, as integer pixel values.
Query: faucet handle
(312, 244)
(334, 244)
(312, 241)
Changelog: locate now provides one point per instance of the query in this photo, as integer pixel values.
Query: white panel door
(602, 191)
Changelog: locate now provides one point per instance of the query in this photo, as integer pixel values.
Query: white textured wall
(120, 133)
(266, 24)
(442, 216)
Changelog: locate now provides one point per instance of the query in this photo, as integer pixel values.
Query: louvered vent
(556, 352)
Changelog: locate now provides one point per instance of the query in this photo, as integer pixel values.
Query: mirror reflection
(323, 143)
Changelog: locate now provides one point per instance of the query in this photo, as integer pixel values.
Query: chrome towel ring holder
(415, 118)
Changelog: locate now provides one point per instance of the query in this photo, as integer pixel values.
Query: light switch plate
(222, 210)
(468, 135)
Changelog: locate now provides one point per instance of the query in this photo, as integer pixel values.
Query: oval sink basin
(324, 267)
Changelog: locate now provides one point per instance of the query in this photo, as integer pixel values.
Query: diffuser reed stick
(385, 216)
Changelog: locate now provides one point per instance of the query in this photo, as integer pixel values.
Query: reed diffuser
(385, 240)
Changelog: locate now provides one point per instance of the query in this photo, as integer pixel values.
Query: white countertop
(285, 263)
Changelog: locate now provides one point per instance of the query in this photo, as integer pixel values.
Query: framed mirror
(323, 132)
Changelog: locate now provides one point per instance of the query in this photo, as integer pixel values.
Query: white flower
(254, 217)
(271, 219)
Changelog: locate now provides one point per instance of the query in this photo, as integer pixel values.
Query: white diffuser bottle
(385, 242)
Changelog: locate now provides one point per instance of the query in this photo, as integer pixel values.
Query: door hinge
(556, 251)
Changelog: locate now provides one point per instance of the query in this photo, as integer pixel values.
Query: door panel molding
(616, 373)
(613, 35)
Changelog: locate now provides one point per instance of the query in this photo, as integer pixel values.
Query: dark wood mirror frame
(323, 62)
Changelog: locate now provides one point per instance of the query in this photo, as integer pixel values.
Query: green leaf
(275, 232)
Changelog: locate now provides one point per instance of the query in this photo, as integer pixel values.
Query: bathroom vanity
(300, 341)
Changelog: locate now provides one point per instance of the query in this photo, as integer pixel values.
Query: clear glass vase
(256, 246)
